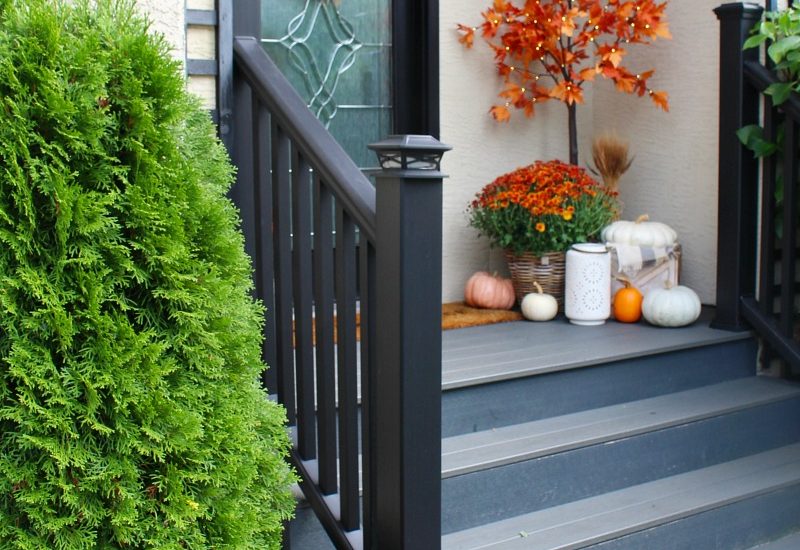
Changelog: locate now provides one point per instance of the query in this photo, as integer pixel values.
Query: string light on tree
(571, 42)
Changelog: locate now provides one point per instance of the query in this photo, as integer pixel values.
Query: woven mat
(460, 315)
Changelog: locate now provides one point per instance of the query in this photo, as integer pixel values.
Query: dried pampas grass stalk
(611, 160)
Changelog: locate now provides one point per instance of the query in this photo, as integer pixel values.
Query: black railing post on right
(738, 169)
(405, 451)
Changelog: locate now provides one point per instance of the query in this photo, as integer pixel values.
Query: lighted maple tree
(549, 49)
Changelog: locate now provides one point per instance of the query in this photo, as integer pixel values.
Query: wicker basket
(547, 270)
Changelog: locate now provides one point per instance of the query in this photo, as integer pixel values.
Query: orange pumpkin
(627, 306)
(489, 291)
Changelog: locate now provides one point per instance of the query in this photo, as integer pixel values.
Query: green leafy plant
(779, 31)
(130, 412)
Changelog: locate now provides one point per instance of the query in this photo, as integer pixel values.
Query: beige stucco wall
(167, 17)
(673, 177)
(194, 42)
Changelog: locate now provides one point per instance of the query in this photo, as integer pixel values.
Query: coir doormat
(460, 315)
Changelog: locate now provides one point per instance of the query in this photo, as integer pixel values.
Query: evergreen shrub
(130, 412)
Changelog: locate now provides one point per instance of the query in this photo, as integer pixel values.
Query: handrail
(761, 78)
(326, 244)
(335, 166)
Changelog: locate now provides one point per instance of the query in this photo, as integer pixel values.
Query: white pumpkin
(672, 306)
(538, 306)
(640, 233)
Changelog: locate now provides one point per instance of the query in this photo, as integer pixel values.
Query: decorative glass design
(337, 54)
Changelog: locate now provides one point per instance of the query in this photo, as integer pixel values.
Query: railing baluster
(303, 304)
(766, 294)
(263, 258)
(282, 236)
(790, 214)
(323, 319)
(347, 363)
(766, 272)
(368, 303)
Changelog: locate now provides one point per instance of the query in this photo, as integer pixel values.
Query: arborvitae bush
(130, 412)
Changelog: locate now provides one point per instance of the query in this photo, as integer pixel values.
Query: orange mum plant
(549, 49)
(542, 208)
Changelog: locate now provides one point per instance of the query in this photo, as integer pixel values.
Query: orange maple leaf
(651, 21)
(611, 53)
(588, 73)
(568, 21)
(513, 92)
(568, 92)
(491, 23)
(500, 113)
(625, 82)
(661, 99)
(467, 35)
(661, 30)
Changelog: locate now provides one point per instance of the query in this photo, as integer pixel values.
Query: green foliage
(781, 30)
(130, 412)
(752, 137)
(780, 33)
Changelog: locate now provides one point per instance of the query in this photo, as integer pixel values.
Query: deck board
(502, 351)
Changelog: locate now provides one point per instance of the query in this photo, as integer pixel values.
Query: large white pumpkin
(640, 233)
(675, 306)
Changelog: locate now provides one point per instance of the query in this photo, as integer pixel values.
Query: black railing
(328, 249)
(757, 273)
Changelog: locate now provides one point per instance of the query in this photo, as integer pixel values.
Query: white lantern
(587, 292)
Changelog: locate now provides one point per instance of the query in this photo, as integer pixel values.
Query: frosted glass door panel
(337, 54)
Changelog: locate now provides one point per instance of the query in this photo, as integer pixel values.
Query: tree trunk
(573, 133)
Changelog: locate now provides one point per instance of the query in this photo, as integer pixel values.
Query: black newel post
(405, 452)
(738, 170)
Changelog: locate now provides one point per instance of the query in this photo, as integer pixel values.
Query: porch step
(508, 351)
(489, 449)
(650, 515)
(512, 373)
(584, 454)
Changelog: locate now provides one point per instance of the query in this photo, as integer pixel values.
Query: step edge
(769, 486)
(782, 393)
(513, 374)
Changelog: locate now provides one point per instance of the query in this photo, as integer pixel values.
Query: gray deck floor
(502, 351)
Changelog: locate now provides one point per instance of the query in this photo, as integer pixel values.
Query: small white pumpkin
(538, 306)
(672, 306)
(640, 233)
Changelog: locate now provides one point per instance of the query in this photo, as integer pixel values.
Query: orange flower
(540, 207)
